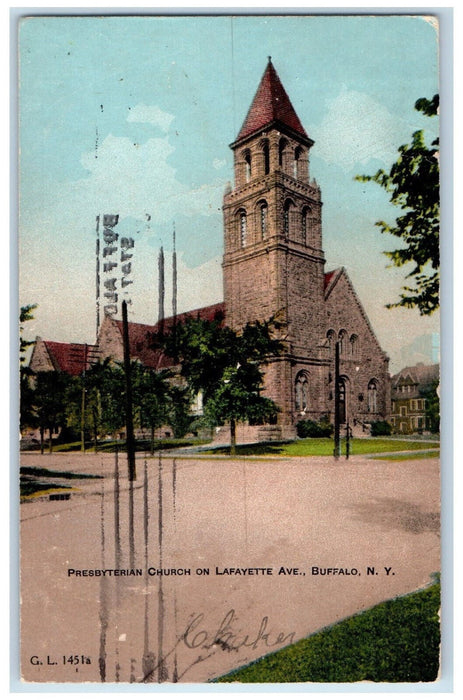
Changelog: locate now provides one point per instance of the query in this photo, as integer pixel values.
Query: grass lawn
(413, 455)
(36, 481)
(323, 447)
(397, 642)
(111, 445)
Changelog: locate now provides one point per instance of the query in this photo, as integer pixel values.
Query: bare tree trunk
(152, 440)
(232, 436)
(42, 442)
(50, 440)
(95, 430)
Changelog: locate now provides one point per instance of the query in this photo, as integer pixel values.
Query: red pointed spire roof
(271, 104)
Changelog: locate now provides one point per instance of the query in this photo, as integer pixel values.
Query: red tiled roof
(141, 335)
(329, 277)
(271, 104)
(71, 358)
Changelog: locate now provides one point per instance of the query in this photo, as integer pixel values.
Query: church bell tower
(273, 260)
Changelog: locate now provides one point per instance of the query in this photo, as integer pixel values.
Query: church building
(274, 265)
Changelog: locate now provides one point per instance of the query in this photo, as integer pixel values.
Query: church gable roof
(330, 280)
(141, 335)
(349, 296)
(270, 105)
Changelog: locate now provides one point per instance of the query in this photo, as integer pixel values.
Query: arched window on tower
(297, 161)
(301, 392)
(372, 396)
(263, 213)
(242, 221)
(281, 153)
(287, 217)
(305, 219)
(286, 220)
(247, 160)
(266, 153)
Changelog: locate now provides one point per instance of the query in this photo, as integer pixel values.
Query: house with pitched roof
(51, 356)
(412, 389)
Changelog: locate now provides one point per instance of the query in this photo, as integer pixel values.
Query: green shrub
(380, 427)
(314, 429)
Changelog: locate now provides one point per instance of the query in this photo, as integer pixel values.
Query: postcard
(230, 358)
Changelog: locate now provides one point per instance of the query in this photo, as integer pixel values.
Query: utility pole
(337, 437)
(83, 407)
(128, 396)
(174, 290)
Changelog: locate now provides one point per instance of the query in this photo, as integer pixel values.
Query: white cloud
(355, 129)
(129, 178)
(151, 114)
(218, 164)
(57, 251)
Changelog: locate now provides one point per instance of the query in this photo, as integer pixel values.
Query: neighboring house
(408, 408)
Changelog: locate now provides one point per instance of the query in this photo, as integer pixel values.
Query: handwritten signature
(230, 639)
(206, 643)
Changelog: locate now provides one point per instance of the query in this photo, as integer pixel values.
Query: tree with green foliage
(95, 401)
(49, 403)
(25, 315)
(226, 367)
(105, 392)
(26, 388)
(151, 398)
(413, 186)
(237, 398)
(180, 418)
(432, 409)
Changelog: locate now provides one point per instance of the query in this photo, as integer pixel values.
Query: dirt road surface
(265, 552)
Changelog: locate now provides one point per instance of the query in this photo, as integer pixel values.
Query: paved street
(264, 530)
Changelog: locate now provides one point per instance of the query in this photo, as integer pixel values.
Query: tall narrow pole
(97, 276)
(174, 289)
(174, 277)
(128, 396)
(337, 437)
(161, 289)
(83, 408)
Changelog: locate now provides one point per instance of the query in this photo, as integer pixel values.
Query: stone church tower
(274, 264)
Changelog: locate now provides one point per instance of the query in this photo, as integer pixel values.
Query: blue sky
(134, 115)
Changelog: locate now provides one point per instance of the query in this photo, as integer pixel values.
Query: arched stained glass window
(301, 391)
(372, 396)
